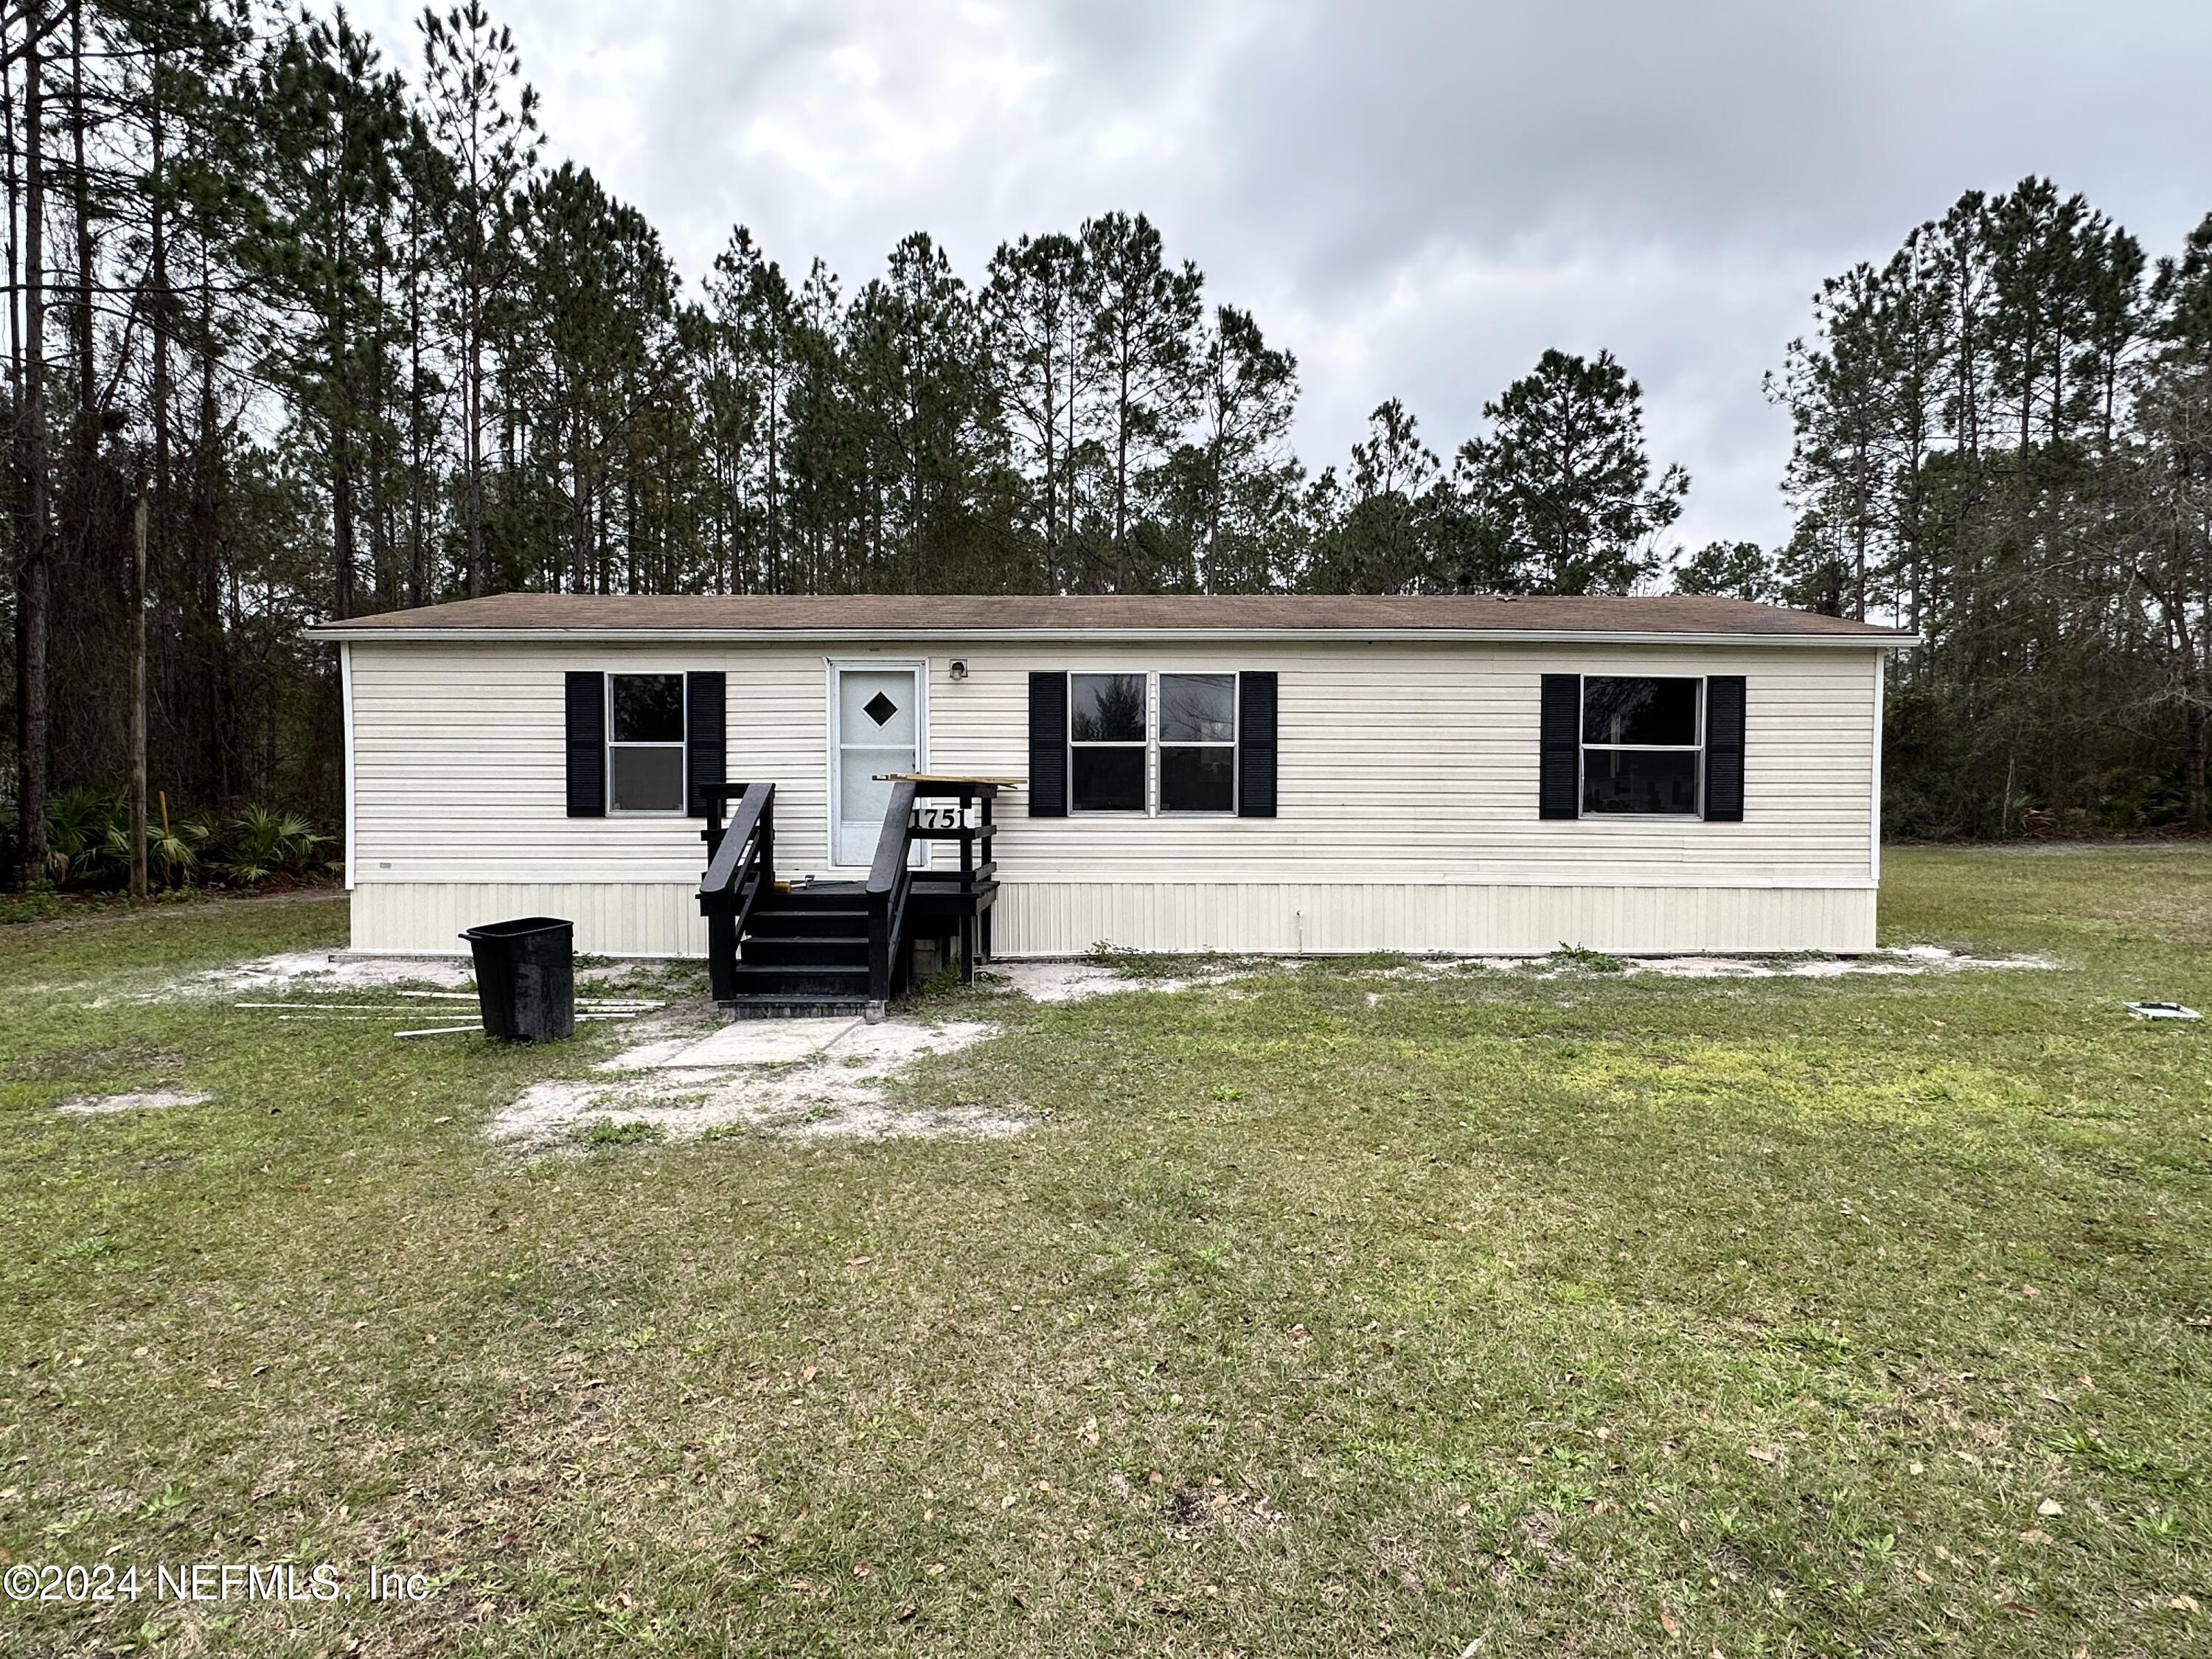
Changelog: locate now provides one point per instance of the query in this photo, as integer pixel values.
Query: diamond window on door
(879, 708)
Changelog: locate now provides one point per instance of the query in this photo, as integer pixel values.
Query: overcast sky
(1416, 197)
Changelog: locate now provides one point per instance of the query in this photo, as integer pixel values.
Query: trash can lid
(517, 928)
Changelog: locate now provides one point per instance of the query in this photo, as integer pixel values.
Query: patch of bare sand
(803, 1079)
(330, 971)
(312, 972)
(1907, 960)
(143, 1100)
(1078, 979)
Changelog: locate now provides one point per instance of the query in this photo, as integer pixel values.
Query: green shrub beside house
(88, 845)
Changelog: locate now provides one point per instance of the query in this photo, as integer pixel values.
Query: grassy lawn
(1323, 1313)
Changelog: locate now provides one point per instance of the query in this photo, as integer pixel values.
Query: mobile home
(1271, 773)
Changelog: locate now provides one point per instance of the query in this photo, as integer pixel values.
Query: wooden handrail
(893, 843)
(756, 804)
(890, 879)
(740, 867)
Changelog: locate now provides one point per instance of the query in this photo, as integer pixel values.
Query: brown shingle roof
(963, 613)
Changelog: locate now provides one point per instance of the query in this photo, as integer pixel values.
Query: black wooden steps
(804, 952)
(801, 978)
(815, 924)
(796, 950)
(752, 1007)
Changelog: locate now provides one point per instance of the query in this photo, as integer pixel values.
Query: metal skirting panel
(612, 918)
(1052, 919)
(1063, 918)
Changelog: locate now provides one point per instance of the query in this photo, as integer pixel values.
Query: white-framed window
(645, 743)
(1106, 725)
(1642, 744)
(1151, 742)
(1196, 735)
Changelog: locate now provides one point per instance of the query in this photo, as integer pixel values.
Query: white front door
(876, 729)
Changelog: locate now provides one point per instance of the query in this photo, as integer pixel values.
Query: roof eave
(1094, 635)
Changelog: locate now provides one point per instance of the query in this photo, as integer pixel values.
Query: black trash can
(526, 978)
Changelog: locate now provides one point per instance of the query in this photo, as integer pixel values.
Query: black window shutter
(1047, 745)
(705, 740)
(587, 745)
(1724, 748)
(1256, 745)
(1559, 742)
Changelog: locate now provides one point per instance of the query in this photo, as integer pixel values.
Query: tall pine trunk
(2200, 755)
(34, 595)
(220, 715)
(342, 525)
(158, 276)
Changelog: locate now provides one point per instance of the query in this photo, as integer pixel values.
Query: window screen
(645, 743)
(1106, 742)
(1641, 736)
(1198, 743)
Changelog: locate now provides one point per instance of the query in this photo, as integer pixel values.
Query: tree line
(2003, 439)
(344, 342)
(300, 337)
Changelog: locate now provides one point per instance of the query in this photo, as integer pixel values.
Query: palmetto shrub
(264, 843)
(89, 845)
(179, 850)
(88, 839)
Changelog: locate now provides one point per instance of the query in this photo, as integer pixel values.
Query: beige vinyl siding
(1418, 763)
(1405, 768)
(460, 764)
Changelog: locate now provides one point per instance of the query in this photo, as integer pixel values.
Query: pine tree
(1140, 347)
(753, 312)
(922, 392)
(1381, 539)
(34, 574)
(2169, 517)
(484, 115)
(1235, 479)
(1839, 394)
(334, 118)
(1035, 305)
(1736, 570)
(1565, 464)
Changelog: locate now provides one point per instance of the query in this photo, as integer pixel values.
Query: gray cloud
(1417, 198)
